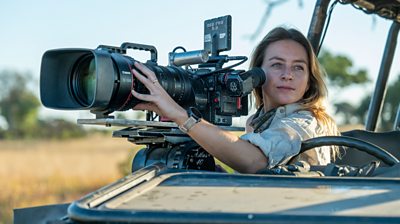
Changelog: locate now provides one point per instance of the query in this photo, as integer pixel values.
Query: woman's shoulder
(304, 120)
(301, 120)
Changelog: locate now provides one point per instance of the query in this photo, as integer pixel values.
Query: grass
(34, 173)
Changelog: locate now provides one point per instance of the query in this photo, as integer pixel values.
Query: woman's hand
(158, 100)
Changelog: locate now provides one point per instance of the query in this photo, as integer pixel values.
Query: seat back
(389, 141)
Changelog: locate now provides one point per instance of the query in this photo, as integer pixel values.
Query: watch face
(194, 112)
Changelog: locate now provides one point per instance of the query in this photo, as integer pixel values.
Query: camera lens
(84, 80)
(102, 81)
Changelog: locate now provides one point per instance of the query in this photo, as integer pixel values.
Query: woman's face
(286, 68)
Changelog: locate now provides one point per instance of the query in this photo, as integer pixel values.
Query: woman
(289, 106)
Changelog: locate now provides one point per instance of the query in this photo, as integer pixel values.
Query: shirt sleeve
(282, 140)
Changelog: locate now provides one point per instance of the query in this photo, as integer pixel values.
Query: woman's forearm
(229, 148)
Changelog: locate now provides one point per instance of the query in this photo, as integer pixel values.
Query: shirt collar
(288, 109)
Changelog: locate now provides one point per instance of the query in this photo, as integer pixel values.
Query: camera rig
(101, 81)
(164, 143)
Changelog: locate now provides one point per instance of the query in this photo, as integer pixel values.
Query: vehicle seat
(390, 141)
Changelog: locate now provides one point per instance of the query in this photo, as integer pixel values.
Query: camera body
(101, 80)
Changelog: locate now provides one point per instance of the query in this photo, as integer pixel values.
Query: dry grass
(36, 173)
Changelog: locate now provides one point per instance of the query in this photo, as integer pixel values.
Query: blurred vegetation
(340, 70)
(19, 107)
(341, 75)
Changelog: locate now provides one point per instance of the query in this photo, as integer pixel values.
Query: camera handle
(141, 47)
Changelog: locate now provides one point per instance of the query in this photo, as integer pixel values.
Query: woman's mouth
(285, 88)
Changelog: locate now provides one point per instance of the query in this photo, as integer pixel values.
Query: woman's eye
(276, 65)
(299, 68)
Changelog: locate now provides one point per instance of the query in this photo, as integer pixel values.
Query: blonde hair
(314, 98)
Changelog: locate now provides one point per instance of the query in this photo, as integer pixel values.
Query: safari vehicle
(174, 181)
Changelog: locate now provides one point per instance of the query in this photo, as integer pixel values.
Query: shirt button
(282, 110)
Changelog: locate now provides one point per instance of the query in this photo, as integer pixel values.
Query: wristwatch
(194, 118)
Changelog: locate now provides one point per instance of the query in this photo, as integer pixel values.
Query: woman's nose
(287, 74)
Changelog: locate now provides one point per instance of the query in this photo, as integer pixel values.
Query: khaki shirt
(281, 141)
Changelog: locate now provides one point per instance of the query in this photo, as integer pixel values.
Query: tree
(18, 105)
(59, 129)
(339, 69)
(341, 74)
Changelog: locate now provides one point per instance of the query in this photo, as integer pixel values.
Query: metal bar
(396, 126)
(317, 23)
(378, 97)
(127, 123)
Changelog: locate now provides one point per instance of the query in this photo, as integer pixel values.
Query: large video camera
(101, 81)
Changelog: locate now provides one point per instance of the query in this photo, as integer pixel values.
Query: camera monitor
(217, 34)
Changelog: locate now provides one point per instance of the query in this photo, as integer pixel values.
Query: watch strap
(188, 124)
(194, 118)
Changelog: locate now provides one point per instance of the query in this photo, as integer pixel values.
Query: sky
(29, 28)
